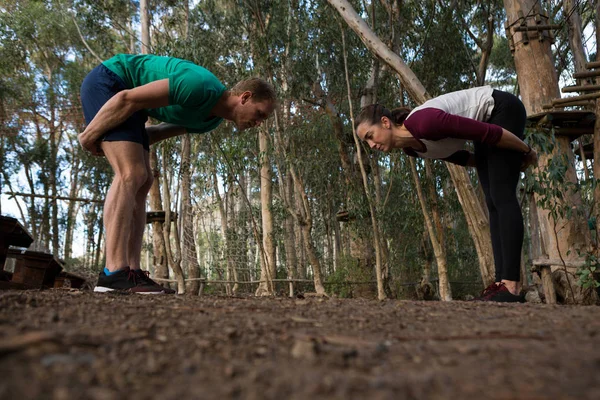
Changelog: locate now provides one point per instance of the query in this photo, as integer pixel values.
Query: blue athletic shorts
(97, 88)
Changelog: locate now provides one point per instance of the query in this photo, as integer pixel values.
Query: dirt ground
(62, 344)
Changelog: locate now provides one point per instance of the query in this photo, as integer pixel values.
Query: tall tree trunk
(374, 225)
(305, 221)
(597, 139)
(160, 259)
(72, 208)
(189, 255)
(161, 266)
(174, 256)
(418, 93)
(438, 250)
(538, 82)
(289, 241)
(575, 34)
(145, 25)
(477, 221)
(267, 270)
(225, 225)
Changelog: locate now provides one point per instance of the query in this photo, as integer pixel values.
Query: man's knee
(134, 178)
(148, 183)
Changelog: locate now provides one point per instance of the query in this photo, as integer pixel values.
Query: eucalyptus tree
(562, 224)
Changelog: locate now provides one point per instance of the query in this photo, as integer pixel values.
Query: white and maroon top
(445, 123)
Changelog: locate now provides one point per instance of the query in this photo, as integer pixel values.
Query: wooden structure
(565, 123)
(35, 269)
(572, 124)
(12, 233)
(544, 267)
(529, 27)
(159, 216)
(69, 280)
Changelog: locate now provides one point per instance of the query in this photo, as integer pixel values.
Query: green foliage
(298, 46)
(588, 273)
(343, 281)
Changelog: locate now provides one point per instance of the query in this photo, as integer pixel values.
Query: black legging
(499, 171)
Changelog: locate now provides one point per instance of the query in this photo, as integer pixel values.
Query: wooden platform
(572, 124)
(69, 280)
(12, 233)
(159, 216)
(34, 269)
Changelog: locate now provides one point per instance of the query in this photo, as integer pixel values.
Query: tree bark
(267, 270)
(189, 255)
(173, 257)
(438, 250)
(160, 262)
(538, 82)
(420, 95)
(597, 138)
(575, 34)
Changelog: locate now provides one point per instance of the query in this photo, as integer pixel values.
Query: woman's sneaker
(488, 292)
(499, 293)
(128, 280)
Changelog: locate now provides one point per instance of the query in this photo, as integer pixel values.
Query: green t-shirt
(193, 90)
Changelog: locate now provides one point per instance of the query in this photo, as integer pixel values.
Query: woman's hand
(90, 145)
(529, 159)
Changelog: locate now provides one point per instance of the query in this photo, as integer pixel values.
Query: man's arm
(157, 133)
(120, 107)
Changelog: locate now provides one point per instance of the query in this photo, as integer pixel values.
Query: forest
(306, 264)
(298, 205)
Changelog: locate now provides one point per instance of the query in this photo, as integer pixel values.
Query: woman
(495, 122)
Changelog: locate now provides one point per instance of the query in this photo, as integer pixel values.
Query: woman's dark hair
(373, 113)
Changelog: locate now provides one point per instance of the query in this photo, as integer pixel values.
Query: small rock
(305, 350)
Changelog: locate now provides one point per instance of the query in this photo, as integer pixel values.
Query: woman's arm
(120, 107)
(464, 158)
(162, 131)
(511, 142)
(436, 124)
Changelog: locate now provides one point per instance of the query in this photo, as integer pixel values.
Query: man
(117, 97)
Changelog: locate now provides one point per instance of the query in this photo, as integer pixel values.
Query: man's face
(250, 113)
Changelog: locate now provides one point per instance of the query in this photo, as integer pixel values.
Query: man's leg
(128, 162)
(138, 224)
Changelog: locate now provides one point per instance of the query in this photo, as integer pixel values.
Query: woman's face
(377, 136)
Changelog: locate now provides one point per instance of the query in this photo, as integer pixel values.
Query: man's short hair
(261, 89)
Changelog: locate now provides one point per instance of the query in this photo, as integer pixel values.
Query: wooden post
(548, 285)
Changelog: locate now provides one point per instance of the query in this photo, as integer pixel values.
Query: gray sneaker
(128, 280)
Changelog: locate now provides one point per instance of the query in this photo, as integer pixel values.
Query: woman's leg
(503, 167)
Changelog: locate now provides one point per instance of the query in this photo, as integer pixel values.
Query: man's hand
(529, 159)
(90, 145)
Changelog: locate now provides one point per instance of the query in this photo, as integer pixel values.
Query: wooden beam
(568, 131)
(536, 27)
(584, 88)
(593, 64)
(586, 74)
(583, 103)
(569, 263)
(589, 96)
(41, 196)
